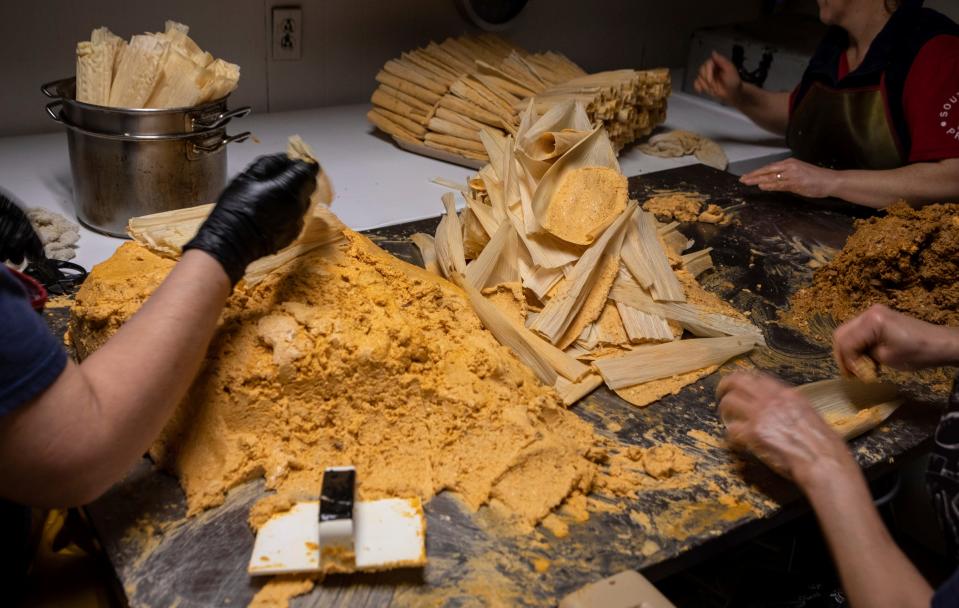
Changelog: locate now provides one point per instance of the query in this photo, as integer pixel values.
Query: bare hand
(794, 176)
(777, 424)
(719, 78)
(894, 339)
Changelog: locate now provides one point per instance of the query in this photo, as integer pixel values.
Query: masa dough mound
(350, 356)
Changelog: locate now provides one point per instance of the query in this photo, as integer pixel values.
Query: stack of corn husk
(436, 100)
(163, 70)
(579, 281)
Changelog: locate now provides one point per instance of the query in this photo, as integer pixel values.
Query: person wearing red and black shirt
(875, 118)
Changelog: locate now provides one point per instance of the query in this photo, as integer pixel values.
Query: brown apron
(844, 129)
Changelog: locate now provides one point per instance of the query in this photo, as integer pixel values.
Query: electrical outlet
(287, 33)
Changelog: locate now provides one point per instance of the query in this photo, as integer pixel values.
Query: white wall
(344, 41)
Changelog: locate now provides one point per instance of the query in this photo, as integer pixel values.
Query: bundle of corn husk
(162, 70)
(581, 283)
(436, 100)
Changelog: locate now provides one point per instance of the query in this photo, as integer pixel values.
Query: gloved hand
(259, 213)
(18, 239)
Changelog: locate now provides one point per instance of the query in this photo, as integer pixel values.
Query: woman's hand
(894, 339)
(794, 176)
(777, 424)
(719, 78)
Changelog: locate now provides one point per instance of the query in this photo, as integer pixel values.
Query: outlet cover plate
(287, 33)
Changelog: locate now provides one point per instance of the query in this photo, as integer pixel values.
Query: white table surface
(376, 183)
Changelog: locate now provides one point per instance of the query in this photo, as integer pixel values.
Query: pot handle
(51, 109)
(217, 145)
(50, 89)
(221, 119)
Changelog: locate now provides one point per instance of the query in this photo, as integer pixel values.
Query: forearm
(768, 109)
(119, 398)
(874, 571)
(917, 184)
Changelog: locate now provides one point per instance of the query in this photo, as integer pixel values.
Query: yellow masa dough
(586, 201)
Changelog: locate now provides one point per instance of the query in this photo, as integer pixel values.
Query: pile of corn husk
(161, 70)
(565, 270)
(436, 100)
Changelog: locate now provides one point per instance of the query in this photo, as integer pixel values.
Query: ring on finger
(779, 176)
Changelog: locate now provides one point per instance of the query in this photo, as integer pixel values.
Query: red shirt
(930, 100)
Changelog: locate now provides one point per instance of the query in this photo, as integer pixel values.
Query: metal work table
(201, 561)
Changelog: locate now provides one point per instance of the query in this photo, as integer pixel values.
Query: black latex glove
(259, 213)
(18, 239)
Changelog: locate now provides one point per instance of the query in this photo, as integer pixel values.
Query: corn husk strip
(167, 232)
(852, 407)
(648, 363)
(666, 287)
(559, 313)
(436, 72)
(425, 244)
(546, 250)
(689, 316)
(415, 75)
(588, 338)
(322, 229)
(495, 78)
(674, 241)
(559, 118)
(474, 235)
(540, 280)
(465, 152)
(405, 86)
(698, 262)
(395, 104)
(470, 110)
(410, 125)
(388, 126)
(448, 183)
(452, 141)
(484, 214)
(643, 327)
(571, 392)
(440, 125)
(473, 92)
(180, 82)
(96, 60)
(610, 328)
(449, 241)
(635, 260)
(138, 71)
(463, 121)
(546, 361)
(497, 263)
(385, 93)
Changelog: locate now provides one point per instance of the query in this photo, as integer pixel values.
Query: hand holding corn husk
(163, 70)
(566, 271)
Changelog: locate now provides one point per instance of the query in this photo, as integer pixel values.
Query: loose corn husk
(449, 242)
(546, 361)
(648, 363)
(852, 407)
(475, 237)
(666, 287)
(424, 243)
(698, 262)
(558, 315)
(697, 321)
(571, 392)
(96, 60)
(643, 327)
(498, 261)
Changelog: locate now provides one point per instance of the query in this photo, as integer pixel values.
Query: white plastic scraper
(337, 534)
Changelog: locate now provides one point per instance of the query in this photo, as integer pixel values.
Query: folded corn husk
(852, 407)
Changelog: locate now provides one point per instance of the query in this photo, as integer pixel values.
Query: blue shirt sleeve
(31, 357)
(947, 596)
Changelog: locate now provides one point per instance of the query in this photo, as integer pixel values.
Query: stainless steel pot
(141, 121)
(137, 162)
